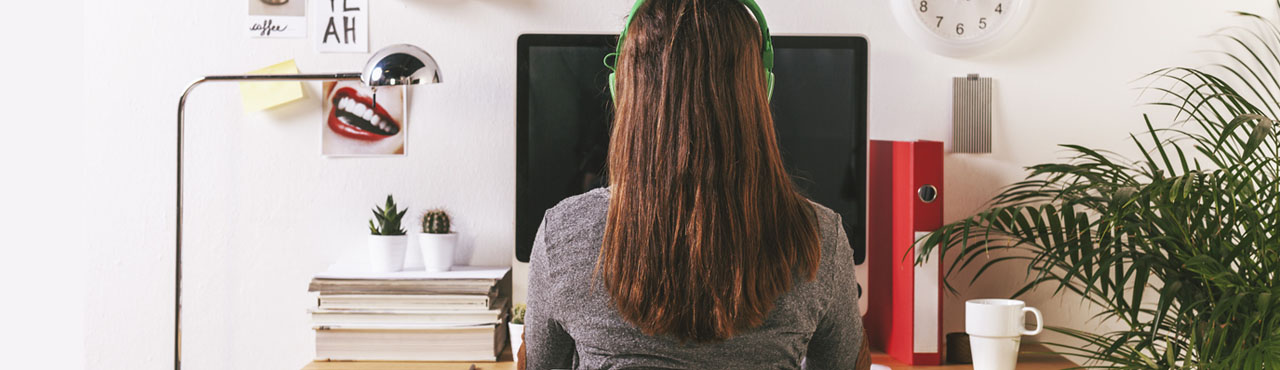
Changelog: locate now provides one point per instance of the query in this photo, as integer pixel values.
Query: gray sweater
(570, 323)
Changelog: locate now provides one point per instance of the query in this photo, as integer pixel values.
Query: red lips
(353, 118)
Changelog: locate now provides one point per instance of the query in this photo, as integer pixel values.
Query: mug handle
(1039, 321)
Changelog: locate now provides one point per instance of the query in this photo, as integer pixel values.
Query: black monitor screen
(564, 112)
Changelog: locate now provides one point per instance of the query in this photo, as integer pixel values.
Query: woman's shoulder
(837, 257)
(829, 221)
(577, 215)
(580, 206)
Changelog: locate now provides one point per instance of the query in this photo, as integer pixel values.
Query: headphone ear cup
(613, 87)
(769, 82)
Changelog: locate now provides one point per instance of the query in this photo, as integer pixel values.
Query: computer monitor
(564, 111)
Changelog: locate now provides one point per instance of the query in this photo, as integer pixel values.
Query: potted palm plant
(387, 240)
(1181, 245)
(437, 241)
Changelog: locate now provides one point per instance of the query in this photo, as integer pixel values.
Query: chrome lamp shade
(401, 64)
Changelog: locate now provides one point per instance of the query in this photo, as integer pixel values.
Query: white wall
(42, 209)
(266, 211)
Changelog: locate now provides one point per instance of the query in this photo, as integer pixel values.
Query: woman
(701, 254)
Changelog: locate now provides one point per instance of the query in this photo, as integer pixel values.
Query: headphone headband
(766, 50)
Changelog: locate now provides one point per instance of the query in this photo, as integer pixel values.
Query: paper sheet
(258, 96)
(342, 26)
(277, 19)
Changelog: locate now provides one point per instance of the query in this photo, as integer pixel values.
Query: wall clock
(961, 28)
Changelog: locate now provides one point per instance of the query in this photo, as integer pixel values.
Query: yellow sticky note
(263, 95)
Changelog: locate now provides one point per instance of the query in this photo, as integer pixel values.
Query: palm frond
(1182, 246)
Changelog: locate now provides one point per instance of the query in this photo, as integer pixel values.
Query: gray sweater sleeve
(548, 345)
(838, 338)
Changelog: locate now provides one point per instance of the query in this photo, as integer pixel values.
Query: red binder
(904, 189)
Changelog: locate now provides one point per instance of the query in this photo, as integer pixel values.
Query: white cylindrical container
(386, 252)
(413, 256)
(517, 337)
(991, 353)
(995, 328)
(437, 251)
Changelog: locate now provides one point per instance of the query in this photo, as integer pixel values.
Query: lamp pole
(393, 65)
(182, 104)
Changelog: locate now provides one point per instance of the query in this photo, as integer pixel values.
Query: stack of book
(457, 315)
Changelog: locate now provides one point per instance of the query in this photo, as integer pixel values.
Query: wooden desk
(1026, 361)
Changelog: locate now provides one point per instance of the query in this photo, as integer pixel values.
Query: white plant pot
(517, 331)
(413, 256)
(437, 251)
(386, 252)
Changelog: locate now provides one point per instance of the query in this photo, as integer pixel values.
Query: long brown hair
(705, 228)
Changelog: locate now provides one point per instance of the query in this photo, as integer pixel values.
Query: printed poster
(342, 26)
(356, 125)
(277, 19)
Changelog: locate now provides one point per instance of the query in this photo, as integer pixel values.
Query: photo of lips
(355, 126)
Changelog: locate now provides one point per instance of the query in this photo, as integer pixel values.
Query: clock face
(961, 27)
(963, 19)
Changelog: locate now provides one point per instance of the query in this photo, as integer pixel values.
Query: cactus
(435, 222)
(517, 314)
(388, 219)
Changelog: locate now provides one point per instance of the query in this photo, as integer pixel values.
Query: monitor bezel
(524, 42)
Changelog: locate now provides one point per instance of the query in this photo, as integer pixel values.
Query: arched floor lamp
(395, 65)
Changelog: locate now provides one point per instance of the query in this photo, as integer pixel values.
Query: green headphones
(764, 33)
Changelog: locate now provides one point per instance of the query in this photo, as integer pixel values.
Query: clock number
(1000, 8)
(939, 22)
(959, 28)
(982, 23)
(924, 6)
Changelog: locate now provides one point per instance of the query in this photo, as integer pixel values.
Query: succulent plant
(435, 221)
(388, 219)
(517, 314)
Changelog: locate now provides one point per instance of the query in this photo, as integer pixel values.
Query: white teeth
(363, 111)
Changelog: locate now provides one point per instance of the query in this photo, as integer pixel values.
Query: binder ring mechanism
(928, 193)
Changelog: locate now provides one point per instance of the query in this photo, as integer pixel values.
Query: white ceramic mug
(995, 328)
